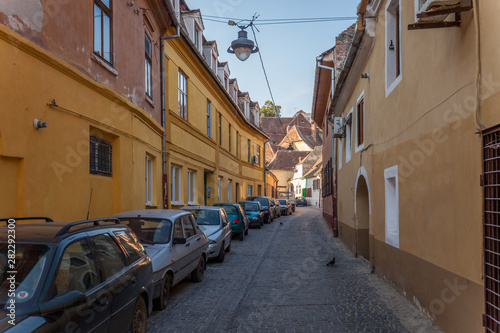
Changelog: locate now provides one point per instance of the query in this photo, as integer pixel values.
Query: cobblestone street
(277, 280)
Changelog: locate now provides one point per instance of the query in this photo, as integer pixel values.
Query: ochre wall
(47, 170)
(425, 126)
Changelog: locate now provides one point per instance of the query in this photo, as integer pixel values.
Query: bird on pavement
(281, 223)
(332, 262)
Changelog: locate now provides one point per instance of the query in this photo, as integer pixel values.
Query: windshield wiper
(147, 241)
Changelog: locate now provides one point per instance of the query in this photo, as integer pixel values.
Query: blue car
(253, 211)
(237, 218)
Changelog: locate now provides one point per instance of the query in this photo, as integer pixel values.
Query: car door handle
(133, 280)
(188, 244)
(198, 238)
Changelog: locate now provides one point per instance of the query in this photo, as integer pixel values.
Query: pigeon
(281, 223)
(332, 262)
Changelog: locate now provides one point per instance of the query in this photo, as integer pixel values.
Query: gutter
(353, 51)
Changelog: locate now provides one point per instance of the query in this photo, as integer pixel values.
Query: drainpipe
(170, 9)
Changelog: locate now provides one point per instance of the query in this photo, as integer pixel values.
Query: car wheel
(261, 223)
(162, 301)
(139, 319)
(246, 232)
(242, 236)
(228, 249)
(220, 257)
(199, 273)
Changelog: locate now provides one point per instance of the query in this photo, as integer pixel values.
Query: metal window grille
(491, 167)
(100, 156)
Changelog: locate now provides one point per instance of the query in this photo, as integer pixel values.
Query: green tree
(270, 110)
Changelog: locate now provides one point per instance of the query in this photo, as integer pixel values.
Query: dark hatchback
(90, 275)
(266, 206)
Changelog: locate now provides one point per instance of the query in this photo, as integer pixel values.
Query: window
(237, 145)
(348, 137)
(148, 66)
(197, 34)
(175, 184)
(209, 118)
(226, 80)
(131, 244)
(249, 191)
(187, 224)
(339, 157)
(391, 206)
(229, 131)
(360, 123)
(229, 183)
(149, 181)
(259, 190)
(109, 255)
(100, 156)
(220, 129)
(393, 45)
(103, 31)
(248, 152)
(219, 190)
(191, 186)
(258, 155)
(77, 270)
(183, 111)
(178, 232)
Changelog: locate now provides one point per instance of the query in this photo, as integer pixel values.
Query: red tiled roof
(287, 159)
(272, 125)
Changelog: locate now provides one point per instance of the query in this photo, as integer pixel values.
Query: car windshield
(263, 201)
(20, 276)
(282, 201)
(150, 231)
(252, 207)
(206, 217)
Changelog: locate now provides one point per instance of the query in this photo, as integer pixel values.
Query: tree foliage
(270, 110)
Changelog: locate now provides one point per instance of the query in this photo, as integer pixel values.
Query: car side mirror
(68, 300)
(224, 224)
(179, 240)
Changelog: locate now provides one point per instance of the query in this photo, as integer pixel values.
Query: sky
(288, 51)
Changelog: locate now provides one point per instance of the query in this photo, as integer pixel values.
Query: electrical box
(338, 127)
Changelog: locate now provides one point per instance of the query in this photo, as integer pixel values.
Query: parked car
(277, 207)
(215, 224)
(266, 207)
(301, 201)
(253, 212)
(286, 207)
(176, 244)
(237, 218)
(90, 275)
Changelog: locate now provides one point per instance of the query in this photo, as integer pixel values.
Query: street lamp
(242, 47)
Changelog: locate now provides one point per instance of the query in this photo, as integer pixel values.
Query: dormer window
(197, 37)
(226, 81)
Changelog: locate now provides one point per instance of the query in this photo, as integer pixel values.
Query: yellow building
(214, 153)
(418, 102)
(80, 126)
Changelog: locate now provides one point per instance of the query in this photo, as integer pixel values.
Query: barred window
(100, 156)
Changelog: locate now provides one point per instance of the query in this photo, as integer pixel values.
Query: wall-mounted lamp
(37, 124)
(365, 75)
(391, 46)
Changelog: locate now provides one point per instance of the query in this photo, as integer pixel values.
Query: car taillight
(236, 221)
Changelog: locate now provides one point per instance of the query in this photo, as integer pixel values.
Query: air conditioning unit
(338, 127)
(255, 159)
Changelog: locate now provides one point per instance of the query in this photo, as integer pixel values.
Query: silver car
(215, 223)
(174, 242)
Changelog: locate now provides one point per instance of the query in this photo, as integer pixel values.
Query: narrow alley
(277, 281)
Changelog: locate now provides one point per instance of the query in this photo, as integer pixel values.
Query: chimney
(313, 130)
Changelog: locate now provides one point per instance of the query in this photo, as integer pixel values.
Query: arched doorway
(362, 218)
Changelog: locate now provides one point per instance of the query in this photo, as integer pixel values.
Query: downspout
(170, 9)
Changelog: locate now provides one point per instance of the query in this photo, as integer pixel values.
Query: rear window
(230, 209)
(263, 201)
(282, 201)
(151, 231)
(206, 217)
(251, 206)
